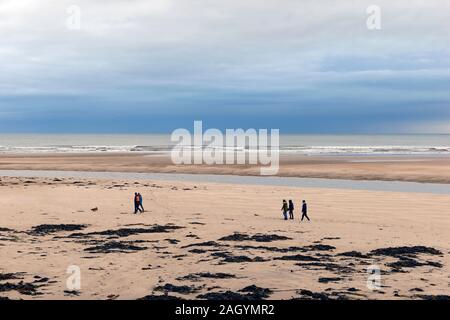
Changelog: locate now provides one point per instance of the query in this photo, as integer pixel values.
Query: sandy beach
(219, 114)
(206, 241)
(387, 168)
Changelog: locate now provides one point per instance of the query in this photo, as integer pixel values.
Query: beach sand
(185, 244)
(388, 168)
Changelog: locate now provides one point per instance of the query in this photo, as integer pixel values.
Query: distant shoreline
(276, 181)
(386, 168)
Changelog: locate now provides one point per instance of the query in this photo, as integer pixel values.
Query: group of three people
(289, 208)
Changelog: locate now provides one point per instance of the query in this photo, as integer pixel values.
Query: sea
(308, 145)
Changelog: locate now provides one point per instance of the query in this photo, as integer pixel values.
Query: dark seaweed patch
(208, 275)
(333, 267)
(45, 229)
(203, 244)
(309, 295)
(28, 289)
(404, 262)
(405, 251)
(125, 232)
(434, 297)
(177, 289)
(251, 293)
(227, 257)
(257, 237)
(407, 257)
(354, 254)
(157, 298)
(172, 241)
(297, 257)
(319, 247)
(115, 247)
(326, 280)
(11, 276)
(256, 292)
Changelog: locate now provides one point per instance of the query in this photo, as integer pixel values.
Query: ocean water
(289, 144)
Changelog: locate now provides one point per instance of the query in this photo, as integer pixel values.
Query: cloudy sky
(304, 66)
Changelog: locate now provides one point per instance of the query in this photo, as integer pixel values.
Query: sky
(301, 66)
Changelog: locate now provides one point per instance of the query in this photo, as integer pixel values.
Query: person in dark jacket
(141, 205)
(291, 209)
(137, 203)
(285, 209)
(305, 211)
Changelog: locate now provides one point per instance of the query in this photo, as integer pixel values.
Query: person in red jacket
(137, 203)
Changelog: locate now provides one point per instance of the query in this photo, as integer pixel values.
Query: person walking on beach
(137, 203)
(305, 211)
(285, 209)
(141, 206)
(291, 209)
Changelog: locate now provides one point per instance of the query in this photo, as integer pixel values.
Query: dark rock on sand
(257, 237)
(45, 229)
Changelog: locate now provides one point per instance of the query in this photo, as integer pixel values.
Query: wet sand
(388, 168)
(204, 240)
